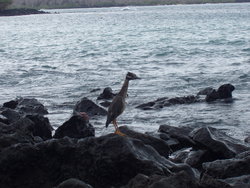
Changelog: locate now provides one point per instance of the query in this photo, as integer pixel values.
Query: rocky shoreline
(172, 157)
(20, 12)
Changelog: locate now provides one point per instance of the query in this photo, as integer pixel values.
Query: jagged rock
(31, 106)
(24, 124)
(107, 161)
(178, 180)
(194, 158)
(210, 182)
(228, 168)
(243, 155)
(10, 135)
(247, 139)
(3, 119)
(106, 94)
(11, 104)
(238, 182)
(219, 143)
(76, 127)
(171, 142)
(73, 183)
(223, 92)
(88, 106)
(11, 115)
(105, 103)
(41, 127)
(205, 91)
(163, 102)
(158, 144)
(180, 134)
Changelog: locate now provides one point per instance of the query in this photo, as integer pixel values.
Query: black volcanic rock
(219, 143)
(247, 139)
(31, 106)
(106, 94)
(11, 135)
(75, 127)
(163, 102)
(88, 106)
(3, 119)
(11, 115)
(41, 127)
(180, 134)
(101, 162)
(11, 104)
(158, 144)
(223, 92)
(222, 169)
(179, 180)
(205, 91)
(73, 183)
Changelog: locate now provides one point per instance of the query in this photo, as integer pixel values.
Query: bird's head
(131, 76)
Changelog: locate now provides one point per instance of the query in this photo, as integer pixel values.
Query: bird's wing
(115, 109)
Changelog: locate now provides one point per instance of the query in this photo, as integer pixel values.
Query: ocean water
(177, 50)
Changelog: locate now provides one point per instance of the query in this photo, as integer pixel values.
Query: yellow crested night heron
(118, 104)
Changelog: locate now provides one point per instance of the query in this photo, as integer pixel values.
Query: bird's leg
(117, 131)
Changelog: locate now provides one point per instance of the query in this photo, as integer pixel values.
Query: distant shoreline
(30, 11)
(107, 4)
(20, 12)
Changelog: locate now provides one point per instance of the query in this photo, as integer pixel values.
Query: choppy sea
(177, 50)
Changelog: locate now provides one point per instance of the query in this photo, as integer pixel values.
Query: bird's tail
(107, 123)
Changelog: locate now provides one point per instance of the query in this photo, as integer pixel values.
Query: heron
(118, 104)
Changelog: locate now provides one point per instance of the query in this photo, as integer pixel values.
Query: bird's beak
(137, 78)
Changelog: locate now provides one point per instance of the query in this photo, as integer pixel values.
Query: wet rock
(105, 104)
(24, 124)
(223, 92)
(107, 161)
(76, 127)
(102, 162)
(180, 134)
(179, 180)
(158, 144)
(219, 143)
(11, 115)
(10, 135)
(11, 104)
(41, 127)
(106, 94)
(171, 142)
(31, 106)
(205, 91)
(210, 182)
(163, 102)
(238, 182)
(228, 168)
(73, 183)
(3, 119)
(95, 90)
(247, 139)
(139, 181)
(88, 106)
(243, 155)
(192, 157)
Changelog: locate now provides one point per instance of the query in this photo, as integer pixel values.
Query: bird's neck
(124, 90)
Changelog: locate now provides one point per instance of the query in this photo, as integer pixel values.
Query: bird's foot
(118, 132)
